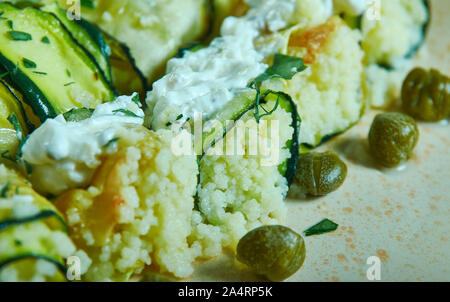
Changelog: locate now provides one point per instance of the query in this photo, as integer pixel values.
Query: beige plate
(400, 216)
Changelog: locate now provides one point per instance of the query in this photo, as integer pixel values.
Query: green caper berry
(319, 174)
(392, 138)
(275, 251)
(426, 95)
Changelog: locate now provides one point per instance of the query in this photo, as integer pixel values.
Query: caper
(392, 138)
(275, 251)
(319, 174)
(426, 95)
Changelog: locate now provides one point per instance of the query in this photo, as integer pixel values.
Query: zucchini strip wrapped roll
(154, 30)
(127, 198)
(393, 31)
(34, 241)
(137, 209)
(329, 94)
(43, 61)
(244, 177)
(13, 124)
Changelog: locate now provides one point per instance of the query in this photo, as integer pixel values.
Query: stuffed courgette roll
(34, 240)
(393, 31)
(127, 197)
(43, 61)
(329, 94)
(154, 30)
(244, 177)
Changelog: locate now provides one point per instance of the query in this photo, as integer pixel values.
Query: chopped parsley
(284, 67)
(68, 84)
(20, 35)
(136, 100)
(39, 72)
(28, 63)
(126, 112)
(114, 140)
(1, 14)
(45, 40)
(12, 118)
(68, 73)
(10, 24)
(18, 242)
(5, 190)
(88, 3)
(325, 226)
(78, 114)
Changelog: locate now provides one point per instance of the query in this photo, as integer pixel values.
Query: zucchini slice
(12, 185)
(127, 77)
(31, 228)
(12, 121)
(329, 95)
(399, 33)
(243, 189)
(153, 30)
(87, 35)
(46, 64)
(242, 108)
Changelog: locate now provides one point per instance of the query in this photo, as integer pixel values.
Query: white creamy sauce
(351, 7)
(205, 80)
(64, 155)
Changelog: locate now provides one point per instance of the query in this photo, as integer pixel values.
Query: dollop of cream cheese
(64, 155)
(205, 80)
(351, 7)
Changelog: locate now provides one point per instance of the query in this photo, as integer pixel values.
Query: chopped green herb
(7, 157)
(136, 99)
(68, 84)
(284, 67)
(78, 114)
(68, 73)
(179, 117)
(114, 140)
(20, 35)
(126, 112)
(4, 190)
(45, 40)
(39, 72)
(1, 14)
(88, 3)
(18, 242)
(12, 118)
(325, 226)
(28, 63)
(11, 24)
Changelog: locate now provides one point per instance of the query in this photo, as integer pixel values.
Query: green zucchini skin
(42, 92)
(32, 95)
(236, 110)
(122, 61)
(291, 164)
(425, 28)
(40, 216)
(18, 100)
(61, 267)
(88, 36)
(415, 48)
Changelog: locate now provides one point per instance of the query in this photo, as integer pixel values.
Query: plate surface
(400, 216)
